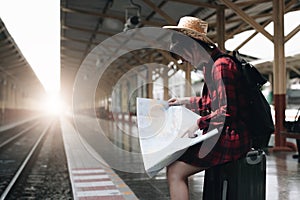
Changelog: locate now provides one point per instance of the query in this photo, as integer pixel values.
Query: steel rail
(17, 135)
(25, 162)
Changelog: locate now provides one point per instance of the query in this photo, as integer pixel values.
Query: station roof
(14, 67)
(85, 24)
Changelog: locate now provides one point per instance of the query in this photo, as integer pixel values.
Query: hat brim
(192, 33)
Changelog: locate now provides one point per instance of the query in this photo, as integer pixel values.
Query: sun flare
(54, 105)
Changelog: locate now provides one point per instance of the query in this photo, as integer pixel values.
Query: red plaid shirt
(223, 105)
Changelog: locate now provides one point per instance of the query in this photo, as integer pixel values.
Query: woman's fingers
(173, 101)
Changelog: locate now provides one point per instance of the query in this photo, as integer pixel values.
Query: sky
(35, 27)
(263, 48)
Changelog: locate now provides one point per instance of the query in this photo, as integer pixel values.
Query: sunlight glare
(54, 105)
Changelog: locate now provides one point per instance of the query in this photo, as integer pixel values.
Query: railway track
(33, 163)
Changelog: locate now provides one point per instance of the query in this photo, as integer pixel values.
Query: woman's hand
(191, 131)
(174, 101)
(179, 101)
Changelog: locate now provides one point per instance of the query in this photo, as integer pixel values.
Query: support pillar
(150, 83)
(279, 69)
(166, 84)
(221, 27)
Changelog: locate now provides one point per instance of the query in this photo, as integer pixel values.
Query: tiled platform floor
(283, 172)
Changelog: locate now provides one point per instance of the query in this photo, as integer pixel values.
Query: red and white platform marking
(97, 183)
(91, 177)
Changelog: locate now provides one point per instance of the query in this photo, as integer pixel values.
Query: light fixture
(132, 16)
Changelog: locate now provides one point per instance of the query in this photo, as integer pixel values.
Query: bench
(295, 136)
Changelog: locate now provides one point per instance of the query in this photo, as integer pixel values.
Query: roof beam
(251, 36)
(68, 27)
(197, 3)
(292, 33)
(295, 70)
(248, 19)
(121, 18)
(287, 9)
(251, 2)
(80, 11)
(77, 40)
(169, 19)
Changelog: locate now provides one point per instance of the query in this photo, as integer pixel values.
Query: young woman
(222, 106)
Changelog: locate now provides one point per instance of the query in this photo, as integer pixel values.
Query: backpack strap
(253, 78)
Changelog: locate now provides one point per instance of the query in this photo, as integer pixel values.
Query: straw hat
(193, 27)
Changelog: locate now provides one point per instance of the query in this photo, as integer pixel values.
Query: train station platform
(93, 178)
(283, 172)
(90, 178)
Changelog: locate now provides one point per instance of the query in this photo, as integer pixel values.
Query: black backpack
(260, 122)
(293, 126)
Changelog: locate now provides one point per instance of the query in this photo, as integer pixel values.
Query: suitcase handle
(254, 157)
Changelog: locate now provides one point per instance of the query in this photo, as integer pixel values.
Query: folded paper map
(161, 129)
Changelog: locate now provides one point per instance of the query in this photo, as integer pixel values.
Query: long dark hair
(207, 47)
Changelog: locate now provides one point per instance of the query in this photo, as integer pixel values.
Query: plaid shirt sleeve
(222, 98)
(201, 105)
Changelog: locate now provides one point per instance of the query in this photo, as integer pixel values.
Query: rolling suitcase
(244, 179)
